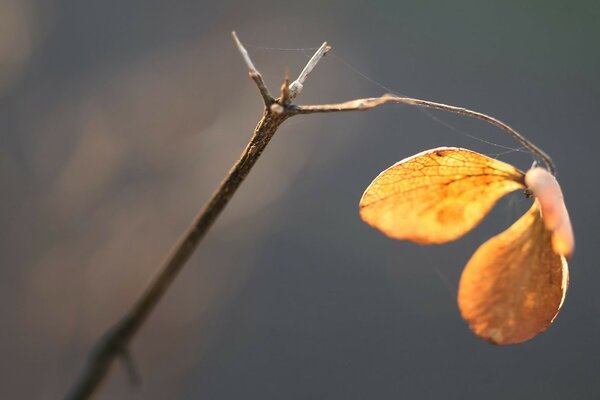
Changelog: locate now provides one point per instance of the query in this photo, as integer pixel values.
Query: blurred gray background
(119, 118)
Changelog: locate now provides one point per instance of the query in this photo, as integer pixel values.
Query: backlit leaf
(438, 195)
(514, 284)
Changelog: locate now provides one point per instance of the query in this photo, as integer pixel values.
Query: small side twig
(253, 72)
(369, 103)
(115, 342)
(297, 86)
(285, 94)
(131, 367)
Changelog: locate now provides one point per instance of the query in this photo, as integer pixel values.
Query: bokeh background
(119, 118)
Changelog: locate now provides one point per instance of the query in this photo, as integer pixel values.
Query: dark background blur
(119, 118)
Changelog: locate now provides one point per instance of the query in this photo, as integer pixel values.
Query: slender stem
(115, 342)
(369, 103)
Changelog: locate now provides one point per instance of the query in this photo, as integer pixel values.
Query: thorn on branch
(285, 89)
(132, 371)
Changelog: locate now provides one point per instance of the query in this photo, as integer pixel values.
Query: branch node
(296, 88)
(277, 108)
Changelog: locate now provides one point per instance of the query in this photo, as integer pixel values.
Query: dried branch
(114, 343)
(369, 103)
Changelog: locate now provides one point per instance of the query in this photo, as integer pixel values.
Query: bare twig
(114, 343)
(369, 103)
(253, 72)
(298, 84)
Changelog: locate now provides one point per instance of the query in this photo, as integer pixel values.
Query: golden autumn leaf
(438, 195)
(513, 286)
(515, 283)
